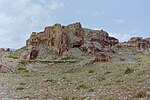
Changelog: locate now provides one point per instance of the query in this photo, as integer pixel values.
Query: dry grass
(69, 81)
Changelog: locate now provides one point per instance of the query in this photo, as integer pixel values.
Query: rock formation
(58, 39)
(4, 50)
(135, 43)
(102, 58)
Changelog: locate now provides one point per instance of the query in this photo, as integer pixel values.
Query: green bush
(91, 90)
(128, 71)
(141, 94)
(19, 88)
(22, 83)
(91, 71)
(145, 59)
(23, 62)
(68, 57)
(13, 57)
(22, 70)
(82, 86)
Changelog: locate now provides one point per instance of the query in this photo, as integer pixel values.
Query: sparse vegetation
(22, 83)
(145, 59)
(128, 71)
(141, 94)
(73, 81)
(81, 86)
(91, 90)
(23, 62)
(13, 57)
(20, 88)
(68, 57)
(91, 71)
(22, 70)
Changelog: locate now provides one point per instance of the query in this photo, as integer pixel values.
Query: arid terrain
(75, 63)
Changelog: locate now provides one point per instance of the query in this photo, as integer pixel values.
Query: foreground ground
(99, 81)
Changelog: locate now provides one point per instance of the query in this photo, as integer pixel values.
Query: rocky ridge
(73, 40)
(63, 40)
(74, 43)
(64, 58)
(135, 44)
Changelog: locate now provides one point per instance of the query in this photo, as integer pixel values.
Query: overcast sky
(121, 18)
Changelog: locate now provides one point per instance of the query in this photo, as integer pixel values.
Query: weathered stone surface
(113, 41)
(135, 43)
(62, 46)
(102, 58)
(98, 41)
(59, 39)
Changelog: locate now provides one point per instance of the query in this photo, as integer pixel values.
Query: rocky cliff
(73, 40)
(135, 44)
(60, 40)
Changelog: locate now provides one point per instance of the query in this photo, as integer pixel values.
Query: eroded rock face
(113, 41)
(135, 43)
(102, 58)
(63, 46)
(98, 41)
(58, 39)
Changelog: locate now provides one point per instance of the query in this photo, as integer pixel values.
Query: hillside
(75, 63)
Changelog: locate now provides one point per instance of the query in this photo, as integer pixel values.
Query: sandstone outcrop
(98, 41)
(135, 44)
(58, 39)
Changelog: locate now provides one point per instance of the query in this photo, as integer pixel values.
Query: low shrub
(128, 71)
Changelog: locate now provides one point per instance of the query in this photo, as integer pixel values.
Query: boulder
(102, 58)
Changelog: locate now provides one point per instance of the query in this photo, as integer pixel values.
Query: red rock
(63, 44)
(59, 39)
(102, 58)
(135, 44)
(113, 41)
